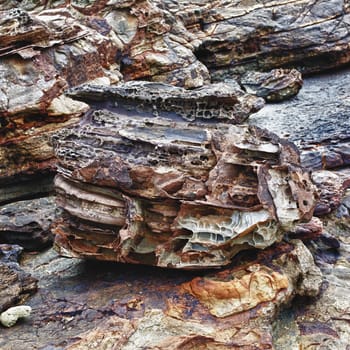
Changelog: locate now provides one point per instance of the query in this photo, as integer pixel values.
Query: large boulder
(146, 186)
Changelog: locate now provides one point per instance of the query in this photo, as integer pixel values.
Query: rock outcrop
(41, 56)
(27, 223)
(137, 186)
(157, 177)
(133, 306)
(241, 36)
(16, 285)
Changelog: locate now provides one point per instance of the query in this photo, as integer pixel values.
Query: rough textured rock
(323, 322)
(85, 304)
(9, 317)
(95, 304)
(178, 41)
(224, 102)
(239, 36)
(317, 121)
(27, 223)
(16, 285)
(243, 288)
(42, 56)
(138, 188)
(277, 85)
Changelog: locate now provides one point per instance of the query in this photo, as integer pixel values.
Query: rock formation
(27, 223)
(42, 55)
(133, 306)
(155, 172)
(139, 187)
(240, 36)
(16, 285)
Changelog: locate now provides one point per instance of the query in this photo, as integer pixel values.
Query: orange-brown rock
(41, 56)
(145, 186)
(133, 307)
(242, 290)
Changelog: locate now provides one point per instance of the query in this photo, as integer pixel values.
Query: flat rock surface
(319, 114)
(80, 302)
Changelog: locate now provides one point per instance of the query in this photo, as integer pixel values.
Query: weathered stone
(316, 120)
(139, 188)
(16, 285)
(243, 288)
(331, 186)
(277, 85)
(9, 317)
(28, 223)
(222, 102)
(133, 307)
(241, 36)
(42, 55)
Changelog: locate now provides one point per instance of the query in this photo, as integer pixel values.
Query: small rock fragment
(9, 317)
(277, 85)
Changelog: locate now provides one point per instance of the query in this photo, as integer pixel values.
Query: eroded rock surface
(27, 223)
(277, 85)
(252, 35)
(139, 188)
(16, 285)
(133, 307)
(224, 102)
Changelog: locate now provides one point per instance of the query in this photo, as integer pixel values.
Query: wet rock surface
(82, 302)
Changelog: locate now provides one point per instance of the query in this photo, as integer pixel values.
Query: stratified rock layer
(28, 223)
(224, 102)
(239, 36)
(140, 187)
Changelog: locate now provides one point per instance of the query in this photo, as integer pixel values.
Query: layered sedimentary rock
(180, 42)
(38, 54)
(317, 121)
(239, 36)
(224, 102)
(16, 285)
(27, 223)
(144, 186)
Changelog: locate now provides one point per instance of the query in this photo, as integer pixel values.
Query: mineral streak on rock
(135, 307)
(242, 291)
(221, 101)
(242, 288)
(143, 189)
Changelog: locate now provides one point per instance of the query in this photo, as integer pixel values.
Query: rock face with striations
(147, 186)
